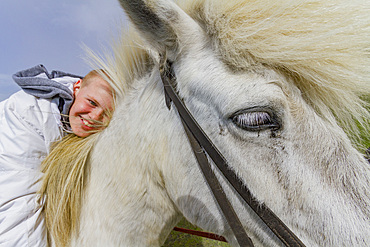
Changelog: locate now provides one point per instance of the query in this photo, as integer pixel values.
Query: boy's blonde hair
(95, 73)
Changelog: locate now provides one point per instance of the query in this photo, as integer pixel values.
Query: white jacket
(28, 126)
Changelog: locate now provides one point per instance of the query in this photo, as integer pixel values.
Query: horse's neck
(128, 187)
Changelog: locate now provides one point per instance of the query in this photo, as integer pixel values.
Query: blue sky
(52, 33)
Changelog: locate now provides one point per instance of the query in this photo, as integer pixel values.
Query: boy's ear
(77, 87)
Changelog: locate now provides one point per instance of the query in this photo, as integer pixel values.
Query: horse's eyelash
(252, 119)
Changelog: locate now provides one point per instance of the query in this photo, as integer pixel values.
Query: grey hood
(37, 81)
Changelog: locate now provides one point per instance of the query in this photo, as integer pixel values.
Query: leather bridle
(202, 146)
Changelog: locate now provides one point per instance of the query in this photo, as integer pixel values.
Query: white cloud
(98, 17)
(5, 77)
(51, 33)
(7, 86)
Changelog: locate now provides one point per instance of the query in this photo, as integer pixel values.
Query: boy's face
(93, 100)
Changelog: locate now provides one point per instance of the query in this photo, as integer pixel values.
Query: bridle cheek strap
(201, 145)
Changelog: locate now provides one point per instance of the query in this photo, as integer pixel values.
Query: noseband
(203, 146)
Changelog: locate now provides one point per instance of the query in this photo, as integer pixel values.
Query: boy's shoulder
(30, 107)
(29, 113)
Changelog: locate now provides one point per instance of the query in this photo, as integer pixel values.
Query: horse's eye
(254, 120)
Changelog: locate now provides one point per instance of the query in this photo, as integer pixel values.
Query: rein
(201, 146)
(200, 234)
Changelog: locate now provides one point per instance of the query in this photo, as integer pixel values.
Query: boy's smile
(93, 100)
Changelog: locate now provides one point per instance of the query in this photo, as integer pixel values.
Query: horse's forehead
(216, 84)
(212, 74)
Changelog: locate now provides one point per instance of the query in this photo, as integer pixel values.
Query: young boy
(49, 106)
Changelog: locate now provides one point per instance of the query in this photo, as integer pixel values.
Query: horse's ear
(162, 23)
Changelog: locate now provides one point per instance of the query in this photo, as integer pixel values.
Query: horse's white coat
(144, 177)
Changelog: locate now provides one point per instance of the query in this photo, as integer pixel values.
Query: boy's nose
(97, 114)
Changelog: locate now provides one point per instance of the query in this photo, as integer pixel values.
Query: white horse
(277, 85)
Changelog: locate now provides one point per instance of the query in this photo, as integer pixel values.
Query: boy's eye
(93, 103)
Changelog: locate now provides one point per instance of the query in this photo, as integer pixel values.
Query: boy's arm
(22, 148)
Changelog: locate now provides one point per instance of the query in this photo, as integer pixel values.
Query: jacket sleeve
(24, 142)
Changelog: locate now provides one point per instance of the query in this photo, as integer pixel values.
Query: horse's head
(276, 86)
